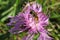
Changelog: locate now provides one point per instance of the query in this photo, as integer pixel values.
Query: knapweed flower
(31, 19)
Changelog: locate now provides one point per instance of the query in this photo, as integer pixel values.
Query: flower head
(33, 24)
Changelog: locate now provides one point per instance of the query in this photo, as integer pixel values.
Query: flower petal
(44, 36)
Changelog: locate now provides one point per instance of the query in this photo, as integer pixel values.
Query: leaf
(10, 14)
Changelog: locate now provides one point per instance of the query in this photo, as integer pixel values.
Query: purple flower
(36, 7)
(44, 36)
(33, 24)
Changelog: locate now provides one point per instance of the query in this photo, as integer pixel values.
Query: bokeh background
(13, 7)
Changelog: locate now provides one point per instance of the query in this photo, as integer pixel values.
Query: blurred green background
(13, 7)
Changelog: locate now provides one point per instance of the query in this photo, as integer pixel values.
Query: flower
(33, 24)
(44, 36)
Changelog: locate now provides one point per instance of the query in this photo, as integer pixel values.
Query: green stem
(54, 5)
(14, 6)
